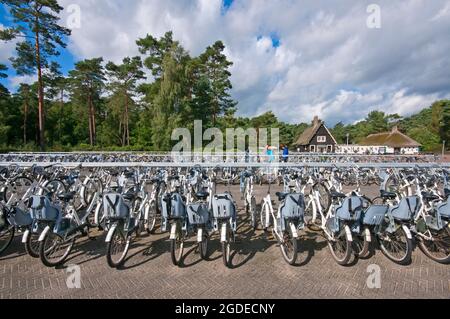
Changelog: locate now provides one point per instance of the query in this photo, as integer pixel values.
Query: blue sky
(295, 58)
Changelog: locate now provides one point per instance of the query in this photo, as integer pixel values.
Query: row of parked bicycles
(230, 157)
(52, 207)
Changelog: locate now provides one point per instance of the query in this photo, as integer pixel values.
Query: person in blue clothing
(269, 153)
(285, 155)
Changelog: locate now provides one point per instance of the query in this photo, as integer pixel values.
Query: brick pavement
(259, 272)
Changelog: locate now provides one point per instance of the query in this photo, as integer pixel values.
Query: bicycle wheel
(32, 245)
(53, 249)
(151, 217)
(313, 223)
(55, 188)
(226, 247)
(203, 246)
(262, 216)
(360, 245)
(396, 246)
(91, 188)
(177, 246)
(437, 249)
(19, 186)
(117, 248)
(6, 236)
(253, 213)
(289, 248)
(341, 248)
(324, 196)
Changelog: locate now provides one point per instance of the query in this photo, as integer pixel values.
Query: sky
(294, 58)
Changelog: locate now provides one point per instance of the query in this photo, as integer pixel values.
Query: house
(393, 142)
(316, 139)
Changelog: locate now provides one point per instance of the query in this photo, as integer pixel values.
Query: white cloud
(328, 62)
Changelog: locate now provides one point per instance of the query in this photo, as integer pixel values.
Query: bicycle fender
(348, 233)
(110, 233)
(199, 235)
(293, 230)
(223, 233)
(93, 202)
(367, 235)
(25, 236)
(407, 231)
(173, 231)
(44, 233)
(82, 191)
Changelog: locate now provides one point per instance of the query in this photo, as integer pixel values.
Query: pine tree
(123, 80)
(216, 65)
(87, 83)
(36, 21)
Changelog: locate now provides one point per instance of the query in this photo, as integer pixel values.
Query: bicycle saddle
(174, 177)
(66, 196)
(202, 195)
(429, 196)
(334, 194)
(248, 174)
(388, 195)
(281, 196)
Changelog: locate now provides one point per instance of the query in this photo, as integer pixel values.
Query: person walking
(285, 155)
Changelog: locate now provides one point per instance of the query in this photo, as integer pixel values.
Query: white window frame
(312, 148)
(321, 139)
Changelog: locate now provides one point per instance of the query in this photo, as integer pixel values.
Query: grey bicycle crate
(223, 206)
(444, 209)
(20, 218)
(374, 215)
(293, 207)
(198, 214)
(351, 209)
(42, 209)
(114, 206)
(407, 209)
(173, 206)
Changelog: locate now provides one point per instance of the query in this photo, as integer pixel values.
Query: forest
(134, 105)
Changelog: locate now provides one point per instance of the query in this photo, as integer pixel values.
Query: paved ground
(260, 272)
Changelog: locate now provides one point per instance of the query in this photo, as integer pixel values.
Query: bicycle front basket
(42, 209)
(198, 214)
(407, 209)
(20, 218)
(173, 206)
(114, 206)
(351, 209)
(223, 206)
(444, 209)
(294, 206)
(374, 215)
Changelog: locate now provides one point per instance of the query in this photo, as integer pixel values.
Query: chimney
(316, 121)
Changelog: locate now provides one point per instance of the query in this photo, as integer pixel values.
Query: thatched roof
(395, 139)
(310, 132)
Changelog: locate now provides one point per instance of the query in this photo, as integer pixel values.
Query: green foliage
(114, 107)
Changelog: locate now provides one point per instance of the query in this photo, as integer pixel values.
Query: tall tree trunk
(91, 122)
(40, 88)
(25, 115)
(61, 105)
(127, 121)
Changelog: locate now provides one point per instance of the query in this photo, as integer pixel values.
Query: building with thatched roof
(316, 139)
(393, 142)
